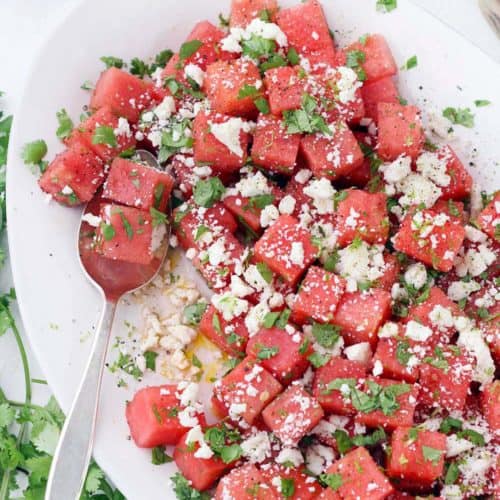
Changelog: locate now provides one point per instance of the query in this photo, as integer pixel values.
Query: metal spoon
(113, 279)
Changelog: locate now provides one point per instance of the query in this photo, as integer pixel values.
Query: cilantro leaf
(194, 312)
(150, 357)
(333, 481)
(411, 63)
(34, 152)
(481, 103)
(386, 5)
(65, 124)
(184, 491)
(459, 116)
(104, 135)
(267, 352)
(431, 454)
(318, 360)
(326, 334)
(159, 457)
(7, 414)
(188, 49)
(305, 120)
(287, 487)
(5, 126)
(113, 62)
(208, 191)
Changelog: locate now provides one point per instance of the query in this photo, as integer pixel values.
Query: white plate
(50, 287)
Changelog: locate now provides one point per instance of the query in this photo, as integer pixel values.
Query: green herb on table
(481, 103)
(33, 154)
(459, 116)
(113, 62)
(411, 63)
(386, 5)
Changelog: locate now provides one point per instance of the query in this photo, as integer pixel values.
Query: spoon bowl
(113, 279)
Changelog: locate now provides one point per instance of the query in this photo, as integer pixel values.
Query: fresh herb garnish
(480, 103)
(184, 491)
(104, 135)
(188, 49)
(208, 191)
(150, 357)
(266, 352)
(34, 152)
(287, 487)
(159, 457)
(264, 271)
(411, 63)
(459, 116)
(65, 124)
(354, 60)
(194, 312)
(386, 5)
(305, 119)
(113, 62)
(326, 334)
(333, 481)
(318, 360)
(431, 454)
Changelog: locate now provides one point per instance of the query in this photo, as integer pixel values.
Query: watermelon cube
(374, 92)
(244, 483)
(363, 215)
(188, 218)
(138, 185)
(417, 455)
(229, 336)
(209, 52)
(334, 156)
(293, 414)
(153, 416)
(200, 471)
(281, 352)
(277, 475)
(400, 413)
(445, 377)
(127, 234)
(400, 131)
(245, 11)
(308, 33)
(460, 184)
(391, 272)
(221, 141)
(333, 400)
(125, 94)
(397, 359)
(286, 248)
(490, 405)
(245, 392)
(431, 237)
(435, 313)
(318, 296)
(74, 175)
(90, 133)
(224, 82)
(378, 59)
(285, 88)
(360, 315)
(273, 148)
(358, 476)
(489, 218)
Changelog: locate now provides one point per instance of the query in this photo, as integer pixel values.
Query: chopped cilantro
(452, 473)
(104, 135)
(267, 352)
(108, 231)
(293, 57)
(354, 60)
(159, 457)
(208, 191)
(157, 217)
(113, 62)
(305, 120)
(34, 152)
(188, 49)
(411, 63)
(150, 357)
(326, 334)
(386, 5)
(333, 481)
(194, 312)
(65, 124)
(223, 21)
(318, 360)
(287, 487)
(480, 103)
(459, 116)
(216, 323)
(184, 491)
(264, 271)
(431, 454)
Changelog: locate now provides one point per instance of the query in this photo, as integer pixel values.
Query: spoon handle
(72, 456)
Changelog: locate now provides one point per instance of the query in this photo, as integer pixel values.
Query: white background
(24, 23)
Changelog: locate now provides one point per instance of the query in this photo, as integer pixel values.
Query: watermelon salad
(352, 260)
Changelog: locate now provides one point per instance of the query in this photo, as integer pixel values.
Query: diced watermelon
(137, 185)
(285, 89)
(417, 455)
(451, 208)
(318, 296)
(307, 31)
(153, 417)
(86, 133)
(460, 180)
(489, 218)
(230, 336)
(208, 149)
(378, 59)
(399, 415)
(201, 472)
(394, 355)
(328, 494)
(431, 313)
(126, 234)
(334, 156)
(383, 90)
(332, 400)
(206, 54)
(364, 215)
(293, 414)
(125, 94)
(391, 272)
(490, 404)
(244, 483)
(273, 148)
(244, 11)
(224, 82)
(445, 377)
(400, 131)
(245, 391)
(359, 477)
(281, 352)
(73, 176)
(360, 314)
(430, 237)
(298, 486)
(286, 248)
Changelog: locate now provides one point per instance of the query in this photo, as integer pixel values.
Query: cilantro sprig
(306, 119)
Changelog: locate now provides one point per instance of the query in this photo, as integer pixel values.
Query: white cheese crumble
(416, 275)
(91, 219)
(297, 253)
(322, 193)
(269, 215)
(195, 73)
(417, 331)
(253, 185)
(229, 305)
(257, 448)
(359, 352)
(228, 133)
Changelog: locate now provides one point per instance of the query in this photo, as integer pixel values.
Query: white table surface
(25, 23)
